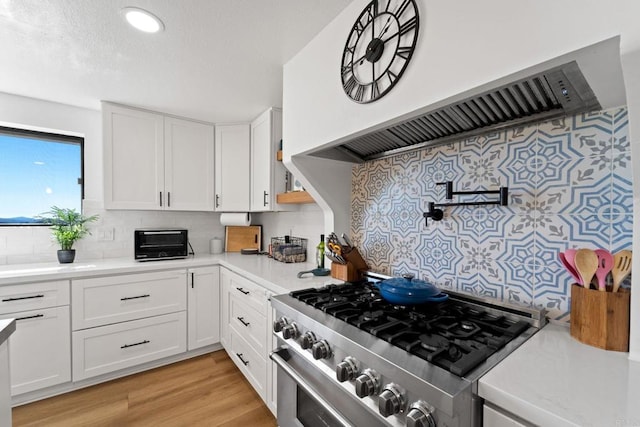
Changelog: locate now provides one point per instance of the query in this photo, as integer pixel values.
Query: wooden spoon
(605, 264)
(586, 263)
(621, 268)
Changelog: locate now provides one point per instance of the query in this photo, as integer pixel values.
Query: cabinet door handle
(169, 199)
(217, 200)
(35, 316)
(264, 198)
(192, 280)
(136, 297)
(241, 319)
(243, 291)
(21, 298)
(135, 344)
(161, 198)
(244, 362)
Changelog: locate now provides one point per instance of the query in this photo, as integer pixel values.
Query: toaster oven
(160, 244)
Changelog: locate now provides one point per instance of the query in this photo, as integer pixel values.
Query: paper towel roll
(241, 219)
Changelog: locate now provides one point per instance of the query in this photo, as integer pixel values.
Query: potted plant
(67, 226)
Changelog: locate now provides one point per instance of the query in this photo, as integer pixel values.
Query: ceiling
(217, 60)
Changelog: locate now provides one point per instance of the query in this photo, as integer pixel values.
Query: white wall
(307, 222)
(462, 45)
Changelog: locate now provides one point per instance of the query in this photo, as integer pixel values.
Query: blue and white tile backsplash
(569, 185)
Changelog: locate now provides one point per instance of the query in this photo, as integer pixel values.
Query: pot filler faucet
(437, 214)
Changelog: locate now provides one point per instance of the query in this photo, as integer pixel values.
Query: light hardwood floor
(204, 391)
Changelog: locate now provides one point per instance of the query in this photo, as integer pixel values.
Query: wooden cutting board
(239, 237)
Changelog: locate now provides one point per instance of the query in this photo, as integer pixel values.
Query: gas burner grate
(451, 334)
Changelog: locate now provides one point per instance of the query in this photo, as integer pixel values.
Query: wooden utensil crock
(600, 319)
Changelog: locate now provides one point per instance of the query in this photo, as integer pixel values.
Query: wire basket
(289, 249)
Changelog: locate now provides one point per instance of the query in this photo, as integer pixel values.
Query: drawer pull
(35, 316)
(241, 319)
(243, 291)
(136, 297)
(21, 298)
(135, 344)
(244, 362)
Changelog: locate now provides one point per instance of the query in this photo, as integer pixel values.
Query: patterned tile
(438, 254)
(570, 186)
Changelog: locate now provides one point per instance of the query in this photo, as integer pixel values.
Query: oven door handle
(304, 385)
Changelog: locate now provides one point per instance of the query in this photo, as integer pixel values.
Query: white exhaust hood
(584, 80)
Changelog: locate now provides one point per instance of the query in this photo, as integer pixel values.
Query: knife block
(349, 272)
(600, 319)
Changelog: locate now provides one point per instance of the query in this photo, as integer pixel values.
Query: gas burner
(453, 334)
(467, 326)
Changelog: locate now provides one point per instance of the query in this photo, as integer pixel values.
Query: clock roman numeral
(346, 69)
(404, 52)
(411, 24)
(391, 75)
(358, 28)
(359, 96)
(375, 90)
(402, 8)
(350, 84)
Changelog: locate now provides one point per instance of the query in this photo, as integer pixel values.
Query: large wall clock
(379, 48)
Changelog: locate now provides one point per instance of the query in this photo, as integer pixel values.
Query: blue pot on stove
(407, 290)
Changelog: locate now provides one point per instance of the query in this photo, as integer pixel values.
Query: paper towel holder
(240, 219)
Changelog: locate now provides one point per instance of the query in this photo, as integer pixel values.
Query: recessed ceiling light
(143, 20)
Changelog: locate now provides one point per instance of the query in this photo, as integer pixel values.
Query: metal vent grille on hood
(559, 91)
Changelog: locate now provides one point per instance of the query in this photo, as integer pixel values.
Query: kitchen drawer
(252, 365)
(40, 349)
(33, 296)
(494, 418)
(248, 323)
(249, 292)
(109, 348)
(106, 300)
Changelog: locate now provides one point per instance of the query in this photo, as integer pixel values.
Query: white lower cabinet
(112, 299)
(203, 307)
(98, 351)
(246, 331)
(40, 348)
(496, 418)
(251, 363)
(126, 320)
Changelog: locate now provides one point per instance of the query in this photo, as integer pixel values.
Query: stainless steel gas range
(348, 357)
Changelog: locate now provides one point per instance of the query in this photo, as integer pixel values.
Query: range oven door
(307, 398)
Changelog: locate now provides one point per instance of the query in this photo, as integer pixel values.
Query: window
(38, 170)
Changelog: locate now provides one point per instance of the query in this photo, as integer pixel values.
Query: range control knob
(391, 400)
(420, 415)
(347, 369)
(290, 331)
(367, 383)
(280, 323)
(308, 339)
(321, 350)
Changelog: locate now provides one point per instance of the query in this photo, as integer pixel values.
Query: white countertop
(554, 380)
(276, 276)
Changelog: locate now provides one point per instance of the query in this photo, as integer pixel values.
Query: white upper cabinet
(188, 165)
(232, 168)
(267, 175)
(133, 158)
(156, 162)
